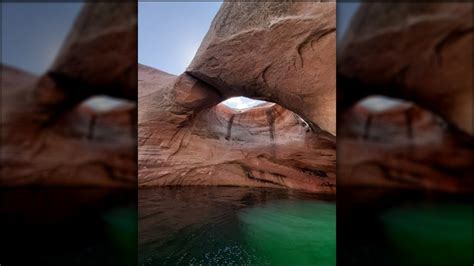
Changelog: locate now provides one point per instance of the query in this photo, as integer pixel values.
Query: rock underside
(186, 139)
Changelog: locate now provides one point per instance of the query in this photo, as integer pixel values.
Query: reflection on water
(228, 225)
(68, 226)
(396, 227)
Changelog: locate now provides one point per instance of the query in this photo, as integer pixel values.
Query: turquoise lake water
(222, 226)
(431, 234)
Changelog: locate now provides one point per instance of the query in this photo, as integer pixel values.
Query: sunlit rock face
(76, 125)
(281, 52)
(186, 137)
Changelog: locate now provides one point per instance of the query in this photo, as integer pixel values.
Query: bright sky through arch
(240, 103)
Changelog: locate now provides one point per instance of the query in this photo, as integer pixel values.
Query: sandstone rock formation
(187, 138)
(64, 128)
(281, 52)
(99, 56)
(84, 144)
(403, 146)
(420, 52)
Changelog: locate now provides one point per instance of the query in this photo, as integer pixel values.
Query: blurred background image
(237, 154)
(68, 134)
(405, 145)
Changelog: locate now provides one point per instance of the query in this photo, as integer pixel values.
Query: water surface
(403, 227)
(68, 226)
(229, 225)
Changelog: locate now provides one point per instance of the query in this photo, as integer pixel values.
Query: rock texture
(65, 128)
(187, 138)
(103, 40)
(84, 144)
(403, 146)
(281, 52)
(417, 52)
(420, 52)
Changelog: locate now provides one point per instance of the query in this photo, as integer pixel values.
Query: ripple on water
(234, 226)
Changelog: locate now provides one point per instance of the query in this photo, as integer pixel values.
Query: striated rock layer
(187, 138)
(76, 125)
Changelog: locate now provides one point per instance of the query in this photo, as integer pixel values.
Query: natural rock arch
(187, 138)
(279, 52)
(426, 59)
(282, 52)
(53, 130)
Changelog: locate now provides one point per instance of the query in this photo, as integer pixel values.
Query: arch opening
(206, 138)
(241, 103)
(406, 142)
(253, 109)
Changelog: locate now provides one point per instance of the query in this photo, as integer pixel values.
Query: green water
(235, 226)
(121, 227)
(394, 227)
(431, 234)
(292, 232)
(68, 226)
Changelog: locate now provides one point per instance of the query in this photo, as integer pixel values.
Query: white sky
(240, 103)
(379, 103)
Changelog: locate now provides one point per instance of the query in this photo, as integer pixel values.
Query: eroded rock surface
(282, 52)
(187, 138)
(99, 56)
(403, 146)
(420, 52)
(76, 125)
(78, 146)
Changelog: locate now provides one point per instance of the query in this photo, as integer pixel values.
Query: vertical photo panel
(405, 146)
(237, 133)
(68, 134)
